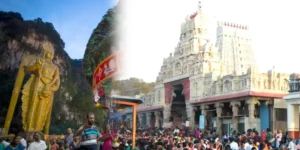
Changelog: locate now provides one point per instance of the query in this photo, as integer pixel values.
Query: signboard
(215, 122)
(201, 122)
(187, 123)
(106, 69)
(167, 125)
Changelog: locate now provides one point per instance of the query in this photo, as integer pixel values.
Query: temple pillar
(167, 114)
(191, 114)
(251, 108)
(235, 109)
(148, 117)
(293, 120)
(161, 120)
(204, 109)
(186, 89)
(168, 93)
(219, 107)
(157, 114)
(140, 116)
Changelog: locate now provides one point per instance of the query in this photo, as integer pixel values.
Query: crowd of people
(88, 137)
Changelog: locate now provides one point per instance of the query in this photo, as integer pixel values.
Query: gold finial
(48, 47)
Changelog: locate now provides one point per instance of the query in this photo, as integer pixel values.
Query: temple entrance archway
(178, 107)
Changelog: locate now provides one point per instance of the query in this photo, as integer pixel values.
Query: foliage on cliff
(100, 44)
(18, 38)
(132, 87)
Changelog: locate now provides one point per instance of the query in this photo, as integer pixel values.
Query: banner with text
(106, 69)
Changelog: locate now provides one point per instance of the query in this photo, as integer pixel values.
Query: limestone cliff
(18, 38)
(100, 44)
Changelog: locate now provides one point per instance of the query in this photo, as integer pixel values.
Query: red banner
(106, 69)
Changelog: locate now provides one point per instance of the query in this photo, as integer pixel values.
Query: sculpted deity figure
(38, 91)
(178, 68)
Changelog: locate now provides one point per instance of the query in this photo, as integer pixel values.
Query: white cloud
(153, 28)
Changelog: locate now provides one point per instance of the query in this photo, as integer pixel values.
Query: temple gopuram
(215, 85)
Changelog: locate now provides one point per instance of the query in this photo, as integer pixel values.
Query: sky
(73, 19)
(153, 29)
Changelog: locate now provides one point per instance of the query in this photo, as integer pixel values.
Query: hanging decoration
(104, 72)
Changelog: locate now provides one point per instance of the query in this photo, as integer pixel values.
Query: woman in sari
(107, 138)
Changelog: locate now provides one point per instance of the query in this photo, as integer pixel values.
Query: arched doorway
(178, 108)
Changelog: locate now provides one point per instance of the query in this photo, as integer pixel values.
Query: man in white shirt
(23, 141)
(233, 144)
(291, 144)
(37, 144)
(249, 147)
(4, 142)
(246, 144)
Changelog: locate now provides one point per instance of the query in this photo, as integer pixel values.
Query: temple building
(218, 81)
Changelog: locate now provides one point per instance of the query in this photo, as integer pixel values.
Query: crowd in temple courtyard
(88, 137)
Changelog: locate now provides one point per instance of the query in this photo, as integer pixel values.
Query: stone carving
(157, 116)
(236, 86)
(190, 113)
(286, 84)
(274, 85)
(178, 68)
(158, 96)
(213, 89)
(227, 85)
(235, 107)
(265, 84)
(258, 84)
(166, 113)
(267, 103)
(195, 89)
(251, 108)
(204, 109)
(219, 107)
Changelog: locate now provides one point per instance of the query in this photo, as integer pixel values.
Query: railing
(294, 85)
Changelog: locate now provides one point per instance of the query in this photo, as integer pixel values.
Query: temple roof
(127, 99)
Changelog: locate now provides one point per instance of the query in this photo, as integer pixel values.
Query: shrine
(217, 83)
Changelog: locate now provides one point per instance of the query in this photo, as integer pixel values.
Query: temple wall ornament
(219, 107)
(235, 107)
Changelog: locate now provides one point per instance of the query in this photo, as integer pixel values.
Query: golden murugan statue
(38, 91)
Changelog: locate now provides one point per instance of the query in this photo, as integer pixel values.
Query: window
(241, 66)
(240, 59)
(281, 114)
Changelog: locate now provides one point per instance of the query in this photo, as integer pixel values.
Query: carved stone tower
(194, 33)
(235, 47)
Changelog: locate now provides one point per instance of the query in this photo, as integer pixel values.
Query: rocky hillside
(18, 38)
(132, 87)
(100, 45)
